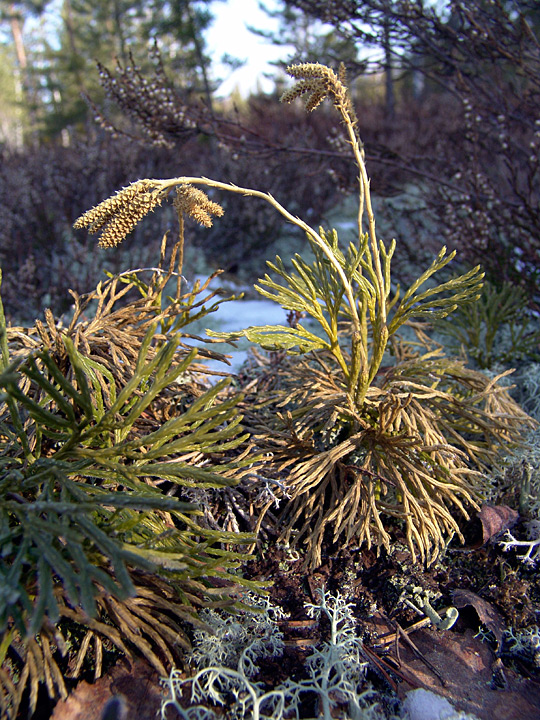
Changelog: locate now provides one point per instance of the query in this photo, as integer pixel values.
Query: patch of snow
(233, 316)
(423, 704)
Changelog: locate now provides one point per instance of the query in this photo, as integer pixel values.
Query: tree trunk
(22, 81)
(201, 59)
(390, 103)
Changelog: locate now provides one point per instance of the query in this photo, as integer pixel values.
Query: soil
(477, 676)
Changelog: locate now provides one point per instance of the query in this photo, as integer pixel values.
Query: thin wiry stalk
(249, 192)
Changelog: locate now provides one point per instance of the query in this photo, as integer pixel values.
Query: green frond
(85, 525)
(276, 337)
(495, 329)
(440, 300)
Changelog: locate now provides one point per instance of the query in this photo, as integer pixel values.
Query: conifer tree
(22, 88)
(63, 66)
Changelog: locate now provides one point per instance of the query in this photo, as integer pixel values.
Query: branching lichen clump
(334, 678)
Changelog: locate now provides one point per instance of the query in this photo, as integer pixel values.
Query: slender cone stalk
(168, 185)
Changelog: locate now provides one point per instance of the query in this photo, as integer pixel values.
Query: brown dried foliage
(417, 449)
(109, 324)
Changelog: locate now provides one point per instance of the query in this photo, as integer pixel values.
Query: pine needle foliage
(103, 425)
(354, 442)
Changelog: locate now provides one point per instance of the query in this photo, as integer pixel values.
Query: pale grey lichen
(240, 640)
(523, 643)
(420, 599)
(527, 380)
(335, 671)
(529, 549)
(521, 471)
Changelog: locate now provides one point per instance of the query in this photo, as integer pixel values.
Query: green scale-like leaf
(276, 337)
(313, 289)
(440, 300)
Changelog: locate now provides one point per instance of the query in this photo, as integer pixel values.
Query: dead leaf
(496, 519)
(136, 683)
(487, 614)
(466, 664)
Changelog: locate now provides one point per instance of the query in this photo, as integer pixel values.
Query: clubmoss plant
(353, 439)
(496, 329)
(103, 426)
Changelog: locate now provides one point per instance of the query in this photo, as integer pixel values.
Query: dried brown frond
(414, 452)
(153, 624)
(474, 412)
(117, 216)
(108, 329)
(196, 204)
(109, 324)
(41, 662)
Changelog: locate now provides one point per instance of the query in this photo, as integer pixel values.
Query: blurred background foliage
(94, 95)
